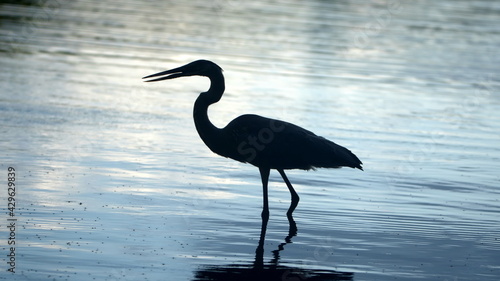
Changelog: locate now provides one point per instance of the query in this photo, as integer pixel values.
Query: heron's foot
(292, 230)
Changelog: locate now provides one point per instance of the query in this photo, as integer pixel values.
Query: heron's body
(263, 142)
(275, 144)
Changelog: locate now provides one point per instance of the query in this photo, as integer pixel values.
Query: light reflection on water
(115, 184)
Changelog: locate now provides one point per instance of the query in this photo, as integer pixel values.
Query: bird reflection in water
(272, 271)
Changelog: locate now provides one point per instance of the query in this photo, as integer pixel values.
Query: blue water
(113, 182)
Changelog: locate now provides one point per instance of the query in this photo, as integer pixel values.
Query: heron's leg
(295, 196)
(264, 175)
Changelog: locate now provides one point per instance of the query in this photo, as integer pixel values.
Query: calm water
(113, 182)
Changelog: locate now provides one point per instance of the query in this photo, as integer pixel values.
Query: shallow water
(113, 182)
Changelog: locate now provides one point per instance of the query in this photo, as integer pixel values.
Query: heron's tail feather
(328, 154)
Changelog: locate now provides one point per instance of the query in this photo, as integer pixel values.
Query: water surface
(113, 182)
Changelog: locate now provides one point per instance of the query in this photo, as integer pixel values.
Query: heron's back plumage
(276, 144)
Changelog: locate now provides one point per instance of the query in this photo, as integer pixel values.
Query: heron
(263, 142)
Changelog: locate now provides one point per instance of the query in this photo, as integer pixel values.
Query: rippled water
(113, 182)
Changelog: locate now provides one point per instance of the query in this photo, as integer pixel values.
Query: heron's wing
(277, 144)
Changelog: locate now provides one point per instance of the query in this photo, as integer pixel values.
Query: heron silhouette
(263, 142)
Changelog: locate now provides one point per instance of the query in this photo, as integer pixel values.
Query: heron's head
(199, 67)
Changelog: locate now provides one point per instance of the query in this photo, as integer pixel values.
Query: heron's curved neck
(207, 131)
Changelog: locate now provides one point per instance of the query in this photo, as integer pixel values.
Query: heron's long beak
(174, 73)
